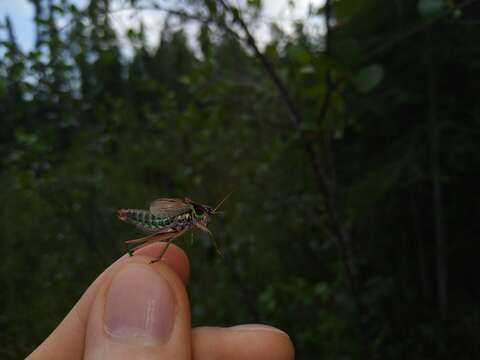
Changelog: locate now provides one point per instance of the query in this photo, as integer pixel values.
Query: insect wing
(165, 207)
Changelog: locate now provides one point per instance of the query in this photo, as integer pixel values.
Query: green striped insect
(167, 219)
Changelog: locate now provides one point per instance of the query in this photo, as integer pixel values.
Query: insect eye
(199, 209)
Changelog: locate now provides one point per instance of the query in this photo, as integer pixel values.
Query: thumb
(142, 312)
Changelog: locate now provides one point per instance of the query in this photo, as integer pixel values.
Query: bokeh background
(347, 131)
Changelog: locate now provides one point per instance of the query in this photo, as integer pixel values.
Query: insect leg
(204, 228)
(147, 240)
(142, 241)
(138, 247)
(170, 240)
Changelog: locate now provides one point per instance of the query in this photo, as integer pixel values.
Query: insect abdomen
(143, 219)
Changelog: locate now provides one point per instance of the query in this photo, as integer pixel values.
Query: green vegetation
(353, 157)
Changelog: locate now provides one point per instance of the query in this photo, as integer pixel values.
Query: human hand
(134, 310)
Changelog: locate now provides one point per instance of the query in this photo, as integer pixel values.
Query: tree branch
(324, 179)
(437, 189)
(414, 30)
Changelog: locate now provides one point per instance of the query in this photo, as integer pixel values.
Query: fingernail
(140, 307)
(257, 327)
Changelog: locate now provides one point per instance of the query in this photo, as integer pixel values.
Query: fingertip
(269, 341)
(253, 341)
(142, 311)
(174, 257)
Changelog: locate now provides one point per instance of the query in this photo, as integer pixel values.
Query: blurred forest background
(353, 156)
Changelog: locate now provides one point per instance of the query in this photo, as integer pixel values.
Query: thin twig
(416, 29)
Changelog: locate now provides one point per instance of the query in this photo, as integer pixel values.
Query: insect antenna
(222, 201)
(217, 247)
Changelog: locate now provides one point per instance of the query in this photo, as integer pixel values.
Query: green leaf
(307, 70)
(255, 3)
(57, 8)
(302, 56)
(346, 50)
(236, 13)
(212, 7)
(368, 78)
(427, 8)
(344, 10)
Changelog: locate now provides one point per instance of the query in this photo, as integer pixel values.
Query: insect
(167, 219)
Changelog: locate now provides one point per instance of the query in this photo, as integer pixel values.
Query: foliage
(87, 129)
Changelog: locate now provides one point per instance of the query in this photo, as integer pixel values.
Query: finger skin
(67, 341)
(252, 342)
(100, 345)
(175, 258)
